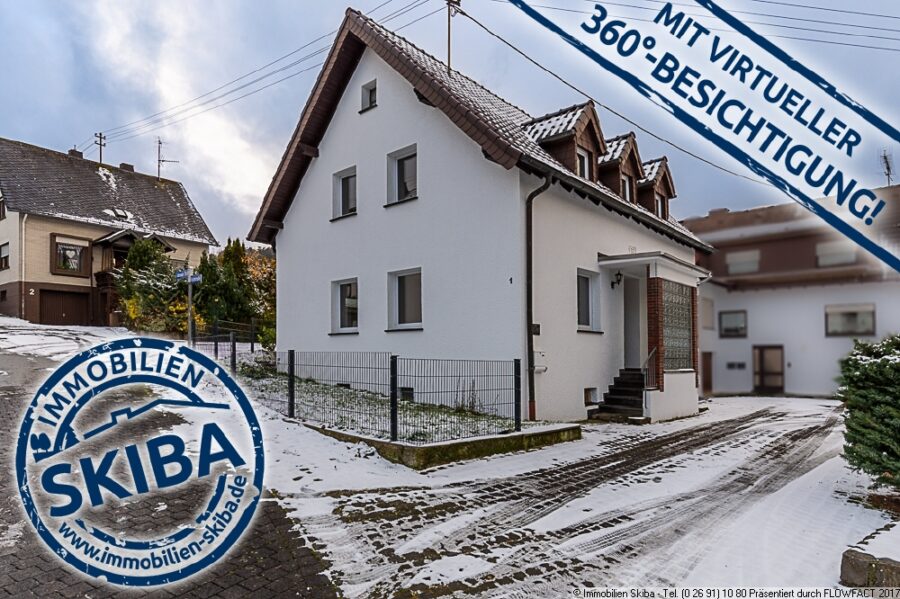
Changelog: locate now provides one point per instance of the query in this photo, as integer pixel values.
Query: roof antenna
(452, 9)
(887, 165)
(159, 159)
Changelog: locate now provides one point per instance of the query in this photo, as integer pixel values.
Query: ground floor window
(733, 323)
(405, 299)
(849, 319)
(345, 301)
(678, 318)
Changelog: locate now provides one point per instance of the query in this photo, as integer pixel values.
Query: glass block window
(677, 319)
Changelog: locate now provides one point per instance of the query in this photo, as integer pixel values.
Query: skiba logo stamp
(140, 462)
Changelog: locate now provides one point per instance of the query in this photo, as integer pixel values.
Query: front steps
(624, 402)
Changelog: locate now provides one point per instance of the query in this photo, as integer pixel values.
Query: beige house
(67, 222)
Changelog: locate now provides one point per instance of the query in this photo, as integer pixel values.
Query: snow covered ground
(753, 492)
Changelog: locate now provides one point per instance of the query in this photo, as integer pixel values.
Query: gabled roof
(656, 171)
(117, 235)
(499, 127)
(556, 124)
(44, 182)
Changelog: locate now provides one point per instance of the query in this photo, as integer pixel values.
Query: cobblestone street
(272, 560)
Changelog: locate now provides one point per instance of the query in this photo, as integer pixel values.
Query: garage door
(64, 307)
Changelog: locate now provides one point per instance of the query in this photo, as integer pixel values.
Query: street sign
(196, 278)
(181, 275)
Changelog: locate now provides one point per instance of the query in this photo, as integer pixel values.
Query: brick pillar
(695, 344)
(655, 325)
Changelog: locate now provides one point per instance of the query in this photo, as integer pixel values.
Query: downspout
(22, 269)
(529, 290)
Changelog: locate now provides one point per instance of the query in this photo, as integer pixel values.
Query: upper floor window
(405, 299)
(70, 256)
(707, 313)
(660, 205)
(584, 163)
(369, 95)
(345, 306)
(849, 319)
(344, 192)
(4, 256)
(742, 262)
(835, 253)
(2, 209)
(588, 310)
(627, 182)
(403, 182)
(733, 323)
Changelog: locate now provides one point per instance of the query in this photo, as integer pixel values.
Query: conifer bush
(870, 388)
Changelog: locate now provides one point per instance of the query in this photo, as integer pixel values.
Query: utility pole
(452, 7)
(100, 141)
(887, 165)
(159, 159)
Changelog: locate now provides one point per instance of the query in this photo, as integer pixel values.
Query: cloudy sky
(73, 68)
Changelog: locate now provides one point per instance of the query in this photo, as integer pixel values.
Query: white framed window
(846, 320)
(4, 256)
(369, 95)
(627, 183)
(345, 306)
(835, 253)
(405, 299)
(587, 285)
(344, 192)
(403, 176)
(583, 163)
(660, 205)
(742, 262)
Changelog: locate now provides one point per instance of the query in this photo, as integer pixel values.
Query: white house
(787, 298)
(416, 212)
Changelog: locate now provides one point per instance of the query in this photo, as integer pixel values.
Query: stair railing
(648, 370)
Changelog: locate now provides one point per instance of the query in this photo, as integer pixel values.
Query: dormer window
(584, 163)
(660, 205)
(369, 95)
(627, 184)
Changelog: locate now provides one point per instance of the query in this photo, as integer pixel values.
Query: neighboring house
(787, 298)
(415, 211)
(66, 222)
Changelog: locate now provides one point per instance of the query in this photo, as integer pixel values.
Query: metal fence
(413, 400)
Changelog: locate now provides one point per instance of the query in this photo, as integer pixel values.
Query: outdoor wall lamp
(617, 281)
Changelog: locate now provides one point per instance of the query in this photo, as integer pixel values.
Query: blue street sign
(196, 278)
(181, 275)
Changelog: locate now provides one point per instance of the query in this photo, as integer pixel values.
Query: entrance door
(64, 308)
(768, 368)
(632, 331)
(706, 368)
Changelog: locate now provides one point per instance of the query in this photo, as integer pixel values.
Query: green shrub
(266, 337)
(870, 388)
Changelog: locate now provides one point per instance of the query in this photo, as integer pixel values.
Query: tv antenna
(159, 159)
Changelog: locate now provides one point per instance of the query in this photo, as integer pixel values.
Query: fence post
(517, 386)
(291, 383)
(394, 419)
(231, 341)
(252, 334)
(216, 347)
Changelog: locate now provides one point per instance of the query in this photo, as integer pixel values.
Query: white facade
(792, 317)
(466, 232)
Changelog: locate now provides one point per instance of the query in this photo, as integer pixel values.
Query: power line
(789, 37)
(599, 103)
(268, 85)
(848, 12)
(119, 131)
(757, 14)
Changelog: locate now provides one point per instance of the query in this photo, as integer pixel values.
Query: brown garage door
(64, 307)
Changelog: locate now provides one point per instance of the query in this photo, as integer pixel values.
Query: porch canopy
(655, 264)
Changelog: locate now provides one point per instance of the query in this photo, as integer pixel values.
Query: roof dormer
(572, 136)
(657, 187)
(620, 166)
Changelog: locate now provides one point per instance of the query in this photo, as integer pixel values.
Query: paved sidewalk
(272, 560)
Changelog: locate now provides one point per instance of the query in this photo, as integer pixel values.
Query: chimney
(75, 153)
(127, 167)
